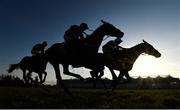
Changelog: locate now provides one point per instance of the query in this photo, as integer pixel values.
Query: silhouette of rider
(74, 37)
(112, 46)
(39, 48)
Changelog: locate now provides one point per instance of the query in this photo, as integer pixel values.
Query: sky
(24, 23)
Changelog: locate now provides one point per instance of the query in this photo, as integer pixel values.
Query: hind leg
(59, 78)
(40, 77)
(66, 71)
(24, 75)
(99, 78)
(42, 80)
(114, 77)
(101, 74)
(116, 82)
(128, 77)
(45, 74)
(93, 75)
(96, 77)
(57, 73)
(29, 78)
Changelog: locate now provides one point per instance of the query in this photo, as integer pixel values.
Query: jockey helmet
(118, 40)
(44, 43)
(84, 26)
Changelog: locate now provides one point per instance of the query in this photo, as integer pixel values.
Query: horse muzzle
(121, 35)
(158, 55)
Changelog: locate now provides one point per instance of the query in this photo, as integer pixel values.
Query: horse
(31, 64)
(58, 54)
(123, 60)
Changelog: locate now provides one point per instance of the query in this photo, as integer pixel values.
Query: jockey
(74, 35)
(112, 46)
(39, 48)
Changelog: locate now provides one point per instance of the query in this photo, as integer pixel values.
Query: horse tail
(12, 67)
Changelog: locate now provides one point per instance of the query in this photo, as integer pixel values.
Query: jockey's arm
(42, 49)
(81, 36)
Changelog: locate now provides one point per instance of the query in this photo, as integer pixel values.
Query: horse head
(97, 36)
(150, 50)
(111, 30)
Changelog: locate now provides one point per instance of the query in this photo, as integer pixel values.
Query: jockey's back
(72, 33)
(39, 48)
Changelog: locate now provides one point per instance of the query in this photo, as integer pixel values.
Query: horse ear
(144, 41)
(103, 21)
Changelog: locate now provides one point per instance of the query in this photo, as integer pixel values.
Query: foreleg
(114, 77)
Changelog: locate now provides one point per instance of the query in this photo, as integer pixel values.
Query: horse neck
(96, 38)
(137, 50)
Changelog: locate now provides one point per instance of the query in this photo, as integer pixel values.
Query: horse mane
(96, 31)
(137, 45)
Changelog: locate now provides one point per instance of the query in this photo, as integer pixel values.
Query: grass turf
(53, 97)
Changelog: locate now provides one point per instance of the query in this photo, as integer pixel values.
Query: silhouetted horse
(123, 60)
(35, 64)
(58, 54)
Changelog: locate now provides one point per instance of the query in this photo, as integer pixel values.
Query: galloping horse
(58, 54)
(35, 64)
(125, 59)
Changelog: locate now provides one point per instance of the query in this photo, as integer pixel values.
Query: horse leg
(24, 75)
(113, 74)
(122, 73)
(116, 82)
(66, 71)
(128, 77)
(29, 77)
(115, 78)
(59, 79)
(101, 74)
(45, 74)
(95, 77)
(99, 78)
(58, 76)
(92, 73)
(42, 80)
(40, 77)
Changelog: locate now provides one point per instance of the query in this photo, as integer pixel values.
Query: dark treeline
(148, 82)
(9, 80)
